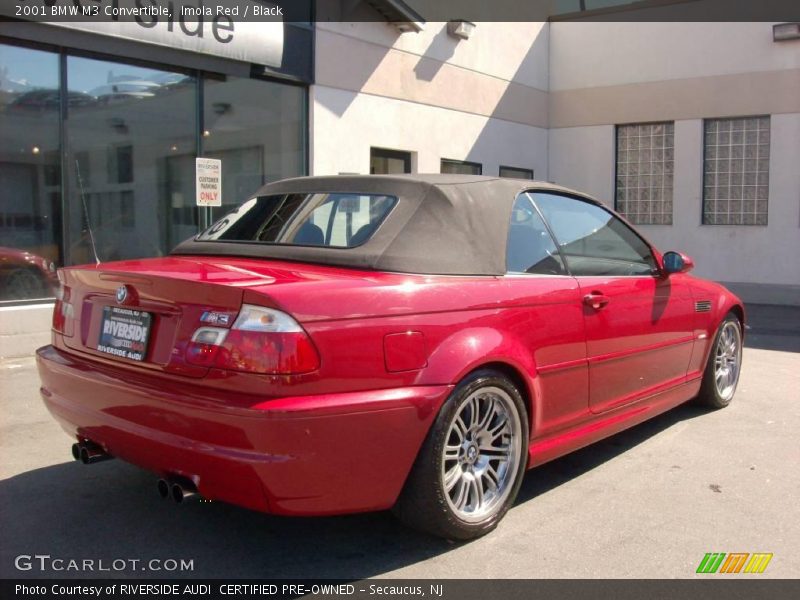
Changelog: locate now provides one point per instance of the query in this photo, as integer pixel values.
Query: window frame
(656, 273)
(703, 221)
(617, 127)
(404, 155)
(501, 167)
(452, 161)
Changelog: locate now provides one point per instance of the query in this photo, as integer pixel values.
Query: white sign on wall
(259, 42)
(208, 177)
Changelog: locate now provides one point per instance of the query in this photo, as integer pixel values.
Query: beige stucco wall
(547, 97)
(587, 55)
(639, 72)
(482, 99)
(347, 124)
(603, 74)
(736, 253)
(502, 50)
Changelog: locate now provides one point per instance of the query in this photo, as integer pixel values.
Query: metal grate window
(736, 171)
(645, 161)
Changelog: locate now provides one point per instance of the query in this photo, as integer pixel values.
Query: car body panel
(284, 457)
(640, 341)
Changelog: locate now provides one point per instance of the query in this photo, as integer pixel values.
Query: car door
(638, 324)
(546, 316)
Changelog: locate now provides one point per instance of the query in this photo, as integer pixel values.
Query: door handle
(596, 300)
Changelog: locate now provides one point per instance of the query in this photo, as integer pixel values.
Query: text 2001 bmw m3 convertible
(343, 344)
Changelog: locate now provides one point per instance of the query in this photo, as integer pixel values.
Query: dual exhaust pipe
(89, 453)
(180, 489)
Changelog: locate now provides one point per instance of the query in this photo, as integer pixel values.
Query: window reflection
(126, 163)
(256, 128)
(30, 179)
(130, 138)
(461, 167)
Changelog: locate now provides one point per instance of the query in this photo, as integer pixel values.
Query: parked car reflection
(25, 276)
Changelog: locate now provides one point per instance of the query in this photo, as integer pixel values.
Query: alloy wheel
(728, 359)
(481, 454)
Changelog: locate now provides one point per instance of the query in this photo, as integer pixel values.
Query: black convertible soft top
(442, 224)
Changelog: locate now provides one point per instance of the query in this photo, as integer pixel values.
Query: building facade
(692, 130)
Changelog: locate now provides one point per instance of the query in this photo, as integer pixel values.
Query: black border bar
(706, 588)
(418, 11)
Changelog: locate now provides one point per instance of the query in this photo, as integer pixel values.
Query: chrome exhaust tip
(163, 488)
(90, 453)
(184, 492)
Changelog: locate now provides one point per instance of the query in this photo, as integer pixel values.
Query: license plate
(124, 332)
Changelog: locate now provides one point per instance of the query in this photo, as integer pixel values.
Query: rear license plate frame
(130, 337)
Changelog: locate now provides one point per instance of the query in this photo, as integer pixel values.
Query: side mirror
(676, 262)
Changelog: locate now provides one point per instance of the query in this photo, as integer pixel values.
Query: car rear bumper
(308, 455)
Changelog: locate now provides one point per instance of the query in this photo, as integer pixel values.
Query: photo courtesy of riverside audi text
(394, 299)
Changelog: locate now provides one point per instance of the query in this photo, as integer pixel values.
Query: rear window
(333, 220)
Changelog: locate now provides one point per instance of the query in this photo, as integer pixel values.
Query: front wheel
(724, 365)
(471, 465)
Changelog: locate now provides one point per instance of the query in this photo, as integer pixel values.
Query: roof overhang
(399, 14)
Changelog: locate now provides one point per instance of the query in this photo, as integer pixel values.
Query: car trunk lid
(171, 297)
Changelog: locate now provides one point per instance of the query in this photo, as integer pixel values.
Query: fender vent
(702, 306)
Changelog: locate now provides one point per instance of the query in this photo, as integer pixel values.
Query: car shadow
(771, 327)
(111, 511)
(779, 341)
(557, 472)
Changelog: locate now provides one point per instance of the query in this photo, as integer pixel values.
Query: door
(638, 323)
(546, 316)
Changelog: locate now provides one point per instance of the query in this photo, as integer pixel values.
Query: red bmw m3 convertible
(358, 343)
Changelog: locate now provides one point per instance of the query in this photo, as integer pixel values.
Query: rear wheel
(23, 284)
(724, 365)
(471, 465)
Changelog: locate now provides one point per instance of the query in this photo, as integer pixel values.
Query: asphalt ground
(646, 503)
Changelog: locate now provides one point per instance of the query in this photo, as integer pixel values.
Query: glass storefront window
(102, 167)
(256, 128)
(30, 205)
(131, 136)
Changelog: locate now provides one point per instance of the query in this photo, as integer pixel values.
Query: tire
(724, 365)
(468, 471)
(24, 284)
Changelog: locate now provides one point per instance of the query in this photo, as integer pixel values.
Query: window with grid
(645, 161)
(736, 171)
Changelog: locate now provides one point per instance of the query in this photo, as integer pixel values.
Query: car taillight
(261, 340)
(63, 309)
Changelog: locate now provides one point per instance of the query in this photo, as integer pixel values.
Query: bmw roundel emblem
(122, 293)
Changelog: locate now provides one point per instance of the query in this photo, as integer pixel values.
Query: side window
(530, 249)
(593, 240)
